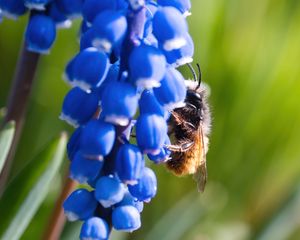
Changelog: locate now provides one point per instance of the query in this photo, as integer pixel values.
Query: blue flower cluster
(45, 17)
(124, 80)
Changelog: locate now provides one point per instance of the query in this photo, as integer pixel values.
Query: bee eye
(194, 95)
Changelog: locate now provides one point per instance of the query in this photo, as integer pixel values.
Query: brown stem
(17, 103)
(58, 219)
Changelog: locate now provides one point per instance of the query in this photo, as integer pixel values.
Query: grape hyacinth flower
(123, 78)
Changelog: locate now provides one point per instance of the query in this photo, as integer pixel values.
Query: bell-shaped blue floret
(87, 39)
(74, 143)
(119, 102)
(149, 104)
(151, 131)
(151, 9)
(126, 218)
(183, 55)
(110, 28)
(71, 8)
(78, 107)
(80, 205)
(112, 76)
(129, 163)
(109, 191)
(91, 8)
(163, 155)
(153, 64)
(40, 33)
(94, 228)
(12, 8)
(97, 139)
(58, 16)
(84, 170)
(183, 6)
(146, 187)
(36, 4)
(68, 75)
(128, 199)
(90, 68)
(170, 28)
(171, 94)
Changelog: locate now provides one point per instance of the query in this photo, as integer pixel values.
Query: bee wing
(200, 176)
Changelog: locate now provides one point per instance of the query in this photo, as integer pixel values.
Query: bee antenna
(193, 71)
(199, 76)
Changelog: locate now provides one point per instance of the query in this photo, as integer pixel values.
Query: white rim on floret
(71, 216)
(106, 203)
(81, 84)
(173, 105)
(174, 43)
(102, 44)
(64, 24)
(186, 14)
(69, 120)
(151, 151)
(136, 4)
(182, 61)
(79, 178)
(131, 182)
(36, 6)
(39, 50)
(147, 83)
(118, 120)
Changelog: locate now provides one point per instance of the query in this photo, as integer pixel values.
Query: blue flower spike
(12, 8)
(97, 139)
(110, 28)
(80, 205)
(146, 188)
(91, 8)
(119, 102)
(84, 170)
(183, 6)
(36, 4)
(109, 191)
(153, 63)
(170, 28)
(126, 218)
(90, 69)
(129, 164)
(172, 92)
(94, 228)
(151, 131)
(78, 107)
(40, 33)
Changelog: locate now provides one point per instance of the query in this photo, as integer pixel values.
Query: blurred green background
(249, 53)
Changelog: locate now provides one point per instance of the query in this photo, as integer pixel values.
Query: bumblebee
(189, 127)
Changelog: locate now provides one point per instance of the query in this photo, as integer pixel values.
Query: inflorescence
(124, 85)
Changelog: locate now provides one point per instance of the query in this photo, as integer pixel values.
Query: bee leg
(180, 148)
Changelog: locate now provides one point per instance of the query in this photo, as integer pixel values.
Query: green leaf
(2, 114)
(6, 138)
(29, 189)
